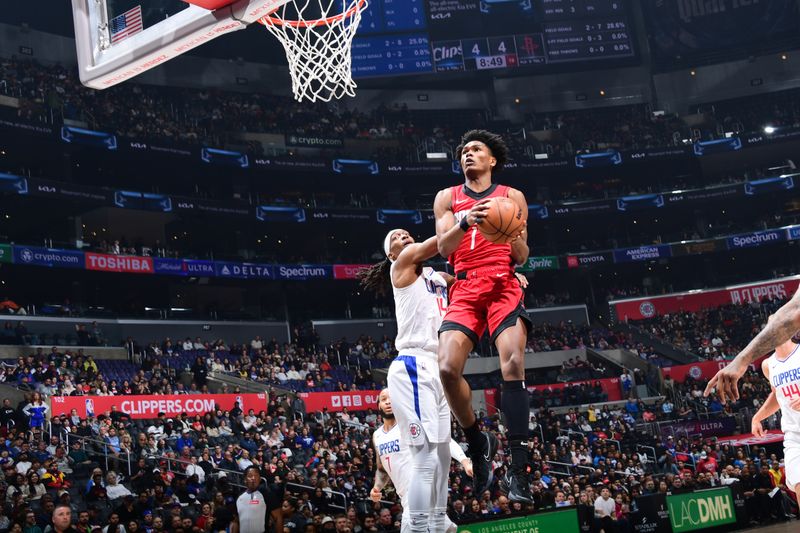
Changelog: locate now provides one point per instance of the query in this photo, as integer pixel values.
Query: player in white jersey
(394, 462)
(782, 369)
(420, 407)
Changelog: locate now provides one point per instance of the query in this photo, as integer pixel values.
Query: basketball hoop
(317, 45)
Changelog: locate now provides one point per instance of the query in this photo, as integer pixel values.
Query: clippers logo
(696, 372)
(415, 430)
(647, 309)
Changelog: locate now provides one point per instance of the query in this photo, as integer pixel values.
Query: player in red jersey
(486, 295)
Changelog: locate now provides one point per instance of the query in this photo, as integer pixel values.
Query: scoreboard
(424, 36)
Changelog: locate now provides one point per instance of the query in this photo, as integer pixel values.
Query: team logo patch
(647, 309)
(415, 430)
(696, 372)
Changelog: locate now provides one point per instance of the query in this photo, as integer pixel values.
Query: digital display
(420, 36)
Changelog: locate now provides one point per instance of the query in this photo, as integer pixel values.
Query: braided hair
(377, 277)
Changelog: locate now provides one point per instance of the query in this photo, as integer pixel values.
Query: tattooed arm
(782, 325)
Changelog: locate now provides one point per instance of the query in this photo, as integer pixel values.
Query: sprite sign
(701, 510)
(549, 262)
(560, 521)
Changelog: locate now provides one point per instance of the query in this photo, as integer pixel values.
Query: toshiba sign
(119, 263)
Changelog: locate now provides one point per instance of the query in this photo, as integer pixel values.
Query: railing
(329, 492)
(102, 450)
(567, 471)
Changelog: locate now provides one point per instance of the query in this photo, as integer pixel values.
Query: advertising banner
(227, 269)
(167, 266)
(582, 260)
(757, 238)
(642, 253)
(706, 428)
(144, 407)
(348, 271)
(610, 386)
(302, 272)
(6, 253)
(772, 436)
(119, 263)
(650, 306)
(701, 370)
(561, 521)
(549, 262)
(699, 247)
(336, 401)
(701, 510)
(312, 141)
(198, 268)
(652, 515)
(32, 255)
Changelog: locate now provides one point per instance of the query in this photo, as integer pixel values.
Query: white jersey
(785, 378)
(419, 309)
(396, 460)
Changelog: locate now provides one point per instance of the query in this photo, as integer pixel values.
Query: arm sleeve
(456, 452)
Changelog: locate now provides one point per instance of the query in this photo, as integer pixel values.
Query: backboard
(119, 39)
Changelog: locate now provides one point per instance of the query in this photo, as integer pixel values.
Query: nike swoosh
(456, 202)
(501, 275)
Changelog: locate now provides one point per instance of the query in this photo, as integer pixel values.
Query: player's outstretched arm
(519, 246)
(415, 254)
(405, 268)
(782, 325)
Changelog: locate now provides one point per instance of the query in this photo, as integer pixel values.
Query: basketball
(503, 222)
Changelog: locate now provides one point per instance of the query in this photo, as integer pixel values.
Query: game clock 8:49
(490, 53)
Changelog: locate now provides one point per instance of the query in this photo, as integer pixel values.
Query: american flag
(127, 24)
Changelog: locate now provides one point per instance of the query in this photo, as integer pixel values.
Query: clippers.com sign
(145, 407)
(648, 307)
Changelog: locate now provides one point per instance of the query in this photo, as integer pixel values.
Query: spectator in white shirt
(293, 374)
(604, 510)
(114, 489)
(256, 343)
(187, 345)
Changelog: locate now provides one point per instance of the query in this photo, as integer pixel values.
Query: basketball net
(318, 49)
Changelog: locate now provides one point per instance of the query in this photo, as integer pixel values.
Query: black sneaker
(517, 487)
(482, 473)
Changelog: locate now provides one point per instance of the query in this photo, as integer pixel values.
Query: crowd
(211, 116)
(714, 333)
(186, 472)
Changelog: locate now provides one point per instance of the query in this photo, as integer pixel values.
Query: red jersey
(474, 251)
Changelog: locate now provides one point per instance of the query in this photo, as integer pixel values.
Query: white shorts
(418, 399)
(791, 458)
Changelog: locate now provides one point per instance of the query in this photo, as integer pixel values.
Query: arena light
(436, 156)
(769, 130)
(540, 156)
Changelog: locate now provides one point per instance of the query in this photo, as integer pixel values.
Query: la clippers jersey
(474, 251)
(785, 377)
(419, 309)
(397, 463)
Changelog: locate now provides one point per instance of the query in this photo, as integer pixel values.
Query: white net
(317, 36)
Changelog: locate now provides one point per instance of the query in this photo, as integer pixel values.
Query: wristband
(464, 225)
